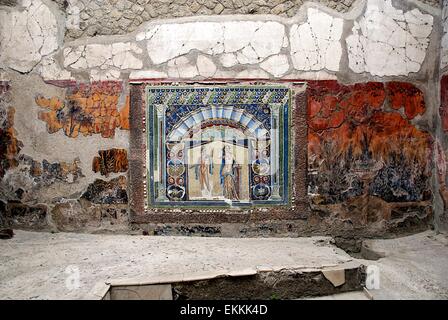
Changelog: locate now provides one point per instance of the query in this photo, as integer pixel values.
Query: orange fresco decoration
(112, 160)
(9, 144)
(87, 109)
(352, 134)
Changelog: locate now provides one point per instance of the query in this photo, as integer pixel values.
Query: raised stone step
(263, 282)
(68, 265)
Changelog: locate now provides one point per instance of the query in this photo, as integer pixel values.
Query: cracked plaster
(315, 45)
(27, 35)
(103, 56)
(310, 42)
(260, 39)
(387, 41)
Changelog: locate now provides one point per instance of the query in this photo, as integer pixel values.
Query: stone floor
(40, 265)
(414, 267)
(37, 265)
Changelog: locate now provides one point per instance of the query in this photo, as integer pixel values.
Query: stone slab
(151, 292)
(36, 265)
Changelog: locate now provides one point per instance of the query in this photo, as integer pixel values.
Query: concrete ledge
(38, 265)
(350, 273)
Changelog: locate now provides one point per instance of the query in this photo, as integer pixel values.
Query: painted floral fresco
(87, 109)
(361, 146)
(218, 145)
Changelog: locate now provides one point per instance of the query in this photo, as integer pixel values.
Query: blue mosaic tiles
(218, 145)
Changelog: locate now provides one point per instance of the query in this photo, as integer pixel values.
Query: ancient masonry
(225, 117)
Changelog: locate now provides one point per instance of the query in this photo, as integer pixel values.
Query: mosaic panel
(217, 146)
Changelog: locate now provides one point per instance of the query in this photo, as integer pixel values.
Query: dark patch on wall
(9, 3)
(47, 173)
(86, 109)
(112, 160)
(114, 214)
(26, 216)
(187, 230)
(9, 144)
(441, 152)
(124, 16)
(443, 110)
(63, 4)
(107, 192)
(28, 183)
(360, 157)
(2, 213)
(81, 215)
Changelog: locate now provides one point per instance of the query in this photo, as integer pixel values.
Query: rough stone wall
(106, 17)
(381, 41)
(374, 126)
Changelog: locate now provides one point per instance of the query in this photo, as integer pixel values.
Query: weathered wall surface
(55, 171)
(371, 70)
(442, 130)
(367, 162)
(107, 17)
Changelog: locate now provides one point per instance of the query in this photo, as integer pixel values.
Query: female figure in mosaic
(227, 173)
(205, 169)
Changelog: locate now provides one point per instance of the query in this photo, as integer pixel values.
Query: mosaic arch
(218, 145)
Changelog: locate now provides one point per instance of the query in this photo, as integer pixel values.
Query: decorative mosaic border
(144, 212)
(166, 110)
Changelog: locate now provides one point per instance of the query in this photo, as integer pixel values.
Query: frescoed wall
(213, 118)
(367, 162)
